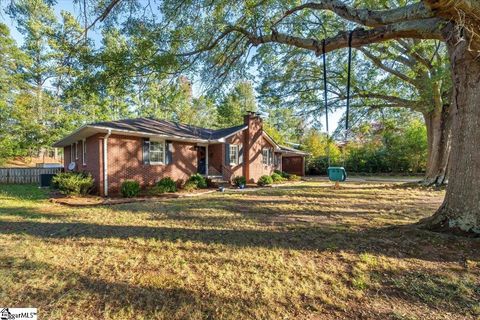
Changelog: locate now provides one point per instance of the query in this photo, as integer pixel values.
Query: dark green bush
(282, 173)
(264, 181)
(190, 186)
(239, 180)
(277, 177)
(73, 183)
(199, 180)
(167, 185)
(130, 188)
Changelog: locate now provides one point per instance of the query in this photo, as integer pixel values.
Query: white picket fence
(24, 175)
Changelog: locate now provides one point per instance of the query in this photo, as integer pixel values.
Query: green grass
(295, 252)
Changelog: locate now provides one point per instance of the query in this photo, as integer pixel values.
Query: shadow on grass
(120, 298)
(398, 242)
(455, 294)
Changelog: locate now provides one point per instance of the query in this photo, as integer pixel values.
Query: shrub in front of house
(239, 181)
(199, 181)
(293, 177)
(264, 181)
(190, 186)
(130, 188)
(282, 173)
(73, 183)
(167, 184)
(277, 178)
(211, 183)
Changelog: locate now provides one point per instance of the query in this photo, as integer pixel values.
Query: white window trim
(233, 161)
(150, 152)
(270, 157)
(84, 152)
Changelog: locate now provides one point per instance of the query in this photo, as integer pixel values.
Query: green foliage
(276, 177)
(130, 188)
(293, 177)
(318, 145)
(167, 184)
(265, 180)
(199, 180)
(235, 105)
(190, 186)
(239, 180)
(73, 183)
(391, 146)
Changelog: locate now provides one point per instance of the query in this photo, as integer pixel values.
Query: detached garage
(293, 161)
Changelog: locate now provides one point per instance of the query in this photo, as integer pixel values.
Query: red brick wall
(215, 157)
(94, 151)
(253, 142)
(125, 161)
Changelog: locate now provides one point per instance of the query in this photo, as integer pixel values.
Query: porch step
(219, 180)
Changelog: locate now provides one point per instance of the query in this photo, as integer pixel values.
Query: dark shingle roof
(163, 127)
(293, 150)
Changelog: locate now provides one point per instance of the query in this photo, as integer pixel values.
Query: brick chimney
(251, 135)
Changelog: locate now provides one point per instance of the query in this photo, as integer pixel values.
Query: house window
(157, 152)
(76, 150)
(84, 152)
(267, 156)
(233, 154)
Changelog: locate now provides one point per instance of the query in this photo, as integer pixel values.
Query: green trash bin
(337, 174)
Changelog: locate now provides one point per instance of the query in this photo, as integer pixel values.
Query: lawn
(298, 252)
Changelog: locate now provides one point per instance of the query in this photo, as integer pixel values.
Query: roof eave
(99, 129)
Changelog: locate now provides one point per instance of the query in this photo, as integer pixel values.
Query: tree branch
(366, 17)
(382, 66)
(391, 99)
(421, 29)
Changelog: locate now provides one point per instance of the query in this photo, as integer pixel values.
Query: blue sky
(68, 5)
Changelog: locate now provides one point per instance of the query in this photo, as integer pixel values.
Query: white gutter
(105, 163)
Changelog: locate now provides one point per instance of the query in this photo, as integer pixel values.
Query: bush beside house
(73, 183)
(265, 181)
(130, 188)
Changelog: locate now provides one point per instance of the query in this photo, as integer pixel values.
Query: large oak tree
(223, 35)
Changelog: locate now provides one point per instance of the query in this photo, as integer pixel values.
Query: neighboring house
(147, 150)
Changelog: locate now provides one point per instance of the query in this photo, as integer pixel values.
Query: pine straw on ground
(296, 252)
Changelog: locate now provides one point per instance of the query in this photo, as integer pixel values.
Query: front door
(201, 160)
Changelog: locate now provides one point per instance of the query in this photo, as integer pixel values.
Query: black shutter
(240, 154)
(146, 151)
(169, 152)
(227, 154)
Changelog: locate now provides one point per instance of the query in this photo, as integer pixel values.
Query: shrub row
(75, 183)
(276, 177)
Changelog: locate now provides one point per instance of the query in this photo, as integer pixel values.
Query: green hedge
(73, 183)
(130, 188)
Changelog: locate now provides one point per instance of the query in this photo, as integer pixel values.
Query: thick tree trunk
(438, 124)
(461, 207)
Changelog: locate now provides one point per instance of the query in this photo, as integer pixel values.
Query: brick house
(147, 150)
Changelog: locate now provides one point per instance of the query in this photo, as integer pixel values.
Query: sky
(68, 5)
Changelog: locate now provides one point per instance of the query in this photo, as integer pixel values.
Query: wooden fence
(24, 175)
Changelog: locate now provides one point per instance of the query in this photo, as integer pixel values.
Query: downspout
(105, 163)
